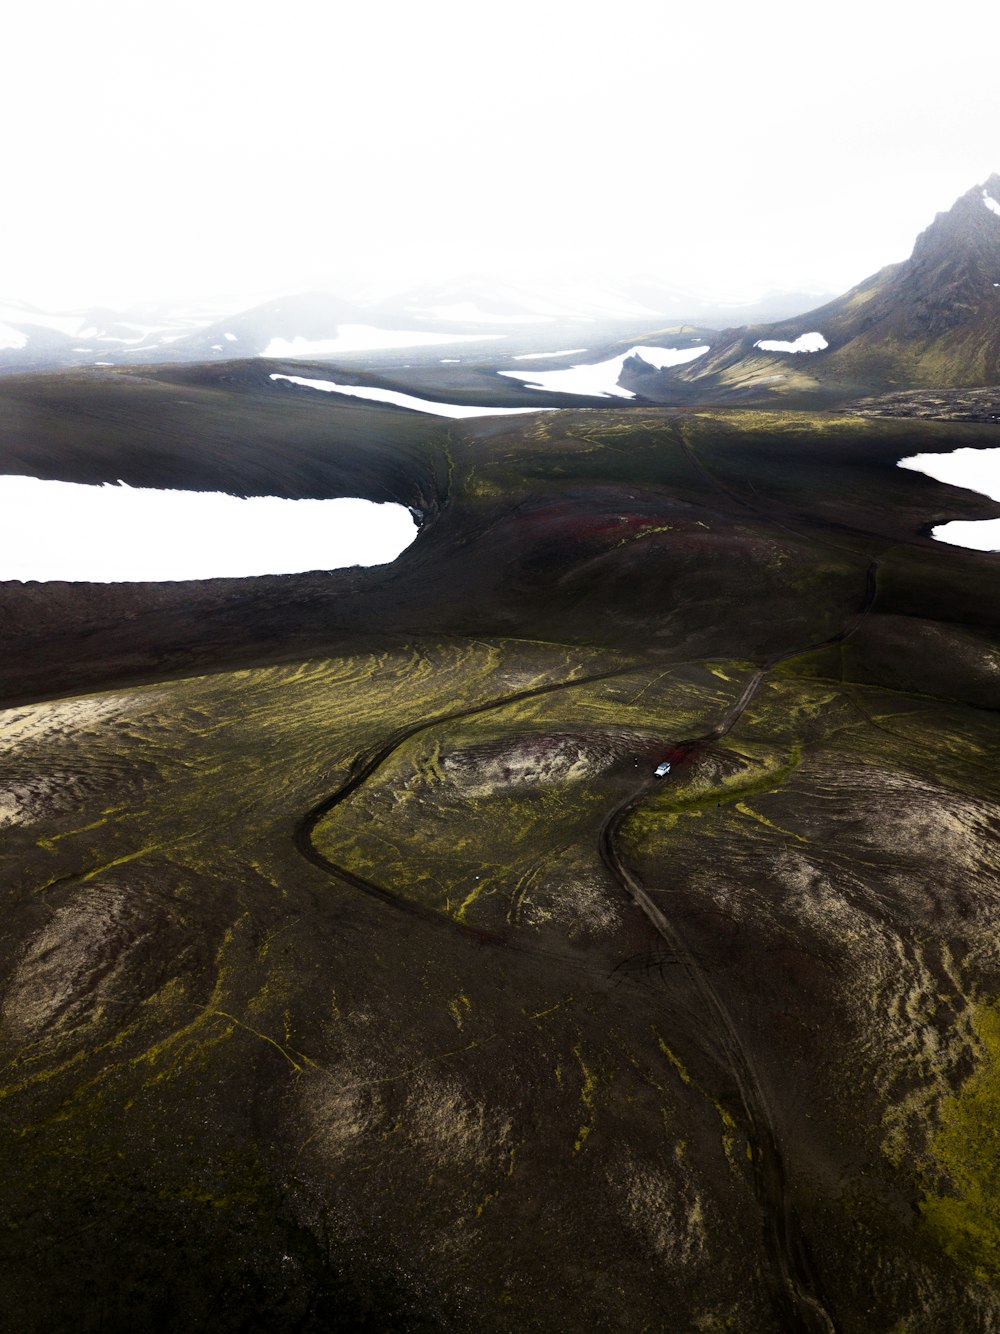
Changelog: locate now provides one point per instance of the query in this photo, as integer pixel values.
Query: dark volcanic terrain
(587, 922)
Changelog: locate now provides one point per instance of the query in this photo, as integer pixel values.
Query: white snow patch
(450, 361)
(364, 338)
(11, 338)
(807, 342)
(600, 380)
(534, 356)
(401, 400)
(973, 470)
(230, 338)
(973, 534)
(121, 534)
(991, 203)
(216, 347)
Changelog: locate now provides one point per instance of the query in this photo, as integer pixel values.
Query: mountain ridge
(932, 320)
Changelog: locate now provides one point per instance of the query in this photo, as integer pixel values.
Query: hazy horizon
(207, 153)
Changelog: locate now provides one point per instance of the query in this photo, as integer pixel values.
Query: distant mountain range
(931, 321)
(319, 325)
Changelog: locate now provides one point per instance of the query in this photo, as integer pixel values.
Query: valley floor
(359, 971)
(421, 1051)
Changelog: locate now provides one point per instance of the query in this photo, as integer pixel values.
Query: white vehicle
(662, 769)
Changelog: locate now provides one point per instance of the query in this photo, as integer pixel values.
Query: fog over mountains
(322, 323)
(929, 321)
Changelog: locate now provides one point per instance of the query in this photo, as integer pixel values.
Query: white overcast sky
(220, 147)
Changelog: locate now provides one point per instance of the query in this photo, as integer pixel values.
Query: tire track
(795, 1285)
(793, 1281)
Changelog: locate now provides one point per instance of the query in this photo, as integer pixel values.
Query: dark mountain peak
(948, 281)
(931, 321)
(971, 225)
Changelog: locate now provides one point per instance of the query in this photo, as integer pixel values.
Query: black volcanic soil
(967, 405)
(532, 526)
(359, 972)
